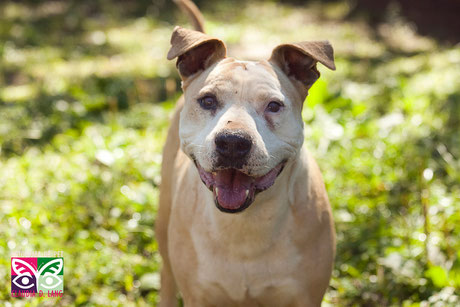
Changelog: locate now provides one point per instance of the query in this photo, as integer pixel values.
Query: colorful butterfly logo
(30, 278)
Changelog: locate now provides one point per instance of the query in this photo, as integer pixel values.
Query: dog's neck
(263, 221)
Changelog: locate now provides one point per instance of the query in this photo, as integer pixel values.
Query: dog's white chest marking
(242, 265)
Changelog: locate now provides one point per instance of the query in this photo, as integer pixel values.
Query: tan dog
(244, 217)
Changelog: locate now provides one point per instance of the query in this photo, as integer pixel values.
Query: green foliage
(81, 134)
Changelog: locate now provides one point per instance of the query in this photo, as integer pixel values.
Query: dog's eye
(208, 102)
(274, 107)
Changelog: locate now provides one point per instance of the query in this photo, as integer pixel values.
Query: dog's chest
(252, 271)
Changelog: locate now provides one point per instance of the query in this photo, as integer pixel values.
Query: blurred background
(85, 97)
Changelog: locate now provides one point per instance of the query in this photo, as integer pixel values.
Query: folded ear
(195, 51)
(298, 60)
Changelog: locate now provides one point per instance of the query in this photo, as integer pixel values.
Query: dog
(244, 218)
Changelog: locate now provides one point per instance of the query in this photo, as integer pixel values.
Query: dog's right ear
(195, 51)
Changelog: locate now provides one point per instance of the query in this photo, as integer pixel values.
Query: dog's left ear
(195, 51)
(298, 61)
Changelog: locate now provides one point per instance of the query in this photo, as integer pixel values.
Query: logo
(37, 276)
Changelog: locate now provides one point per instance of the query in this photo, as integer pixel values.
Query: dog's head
(242, 121)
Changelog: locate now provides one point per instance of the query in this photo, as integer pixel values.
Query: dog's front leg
(191, 301)
(168, 287)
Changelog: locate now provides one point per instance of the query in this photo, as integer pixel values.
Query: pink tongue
(232, 186)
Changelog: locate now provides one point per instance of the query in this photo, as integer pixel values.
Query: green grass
(85, 95)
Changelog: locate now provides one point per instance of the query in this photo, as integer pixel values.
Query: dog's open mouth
(233, 190)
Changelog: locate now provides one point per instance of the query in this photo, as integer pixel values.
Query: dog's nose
(233, 146)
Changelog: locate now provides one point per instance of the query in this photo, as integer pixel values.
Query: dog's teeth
(247, 193)
(217, 191)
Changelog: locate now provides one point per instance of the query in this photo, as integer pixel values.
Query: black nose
(233, 146)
